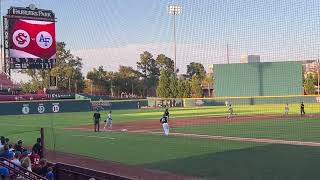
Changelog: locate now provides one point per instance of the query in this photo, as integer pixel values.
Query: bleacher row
(23, 97)
(10, 91)
(17, 162)
(20, 163)
(6, 83)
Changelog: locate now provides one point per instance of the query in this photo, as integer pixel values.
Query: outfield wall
(119, 104)
(221, 101)
(258, 79)
(41, 107)
(250, 100)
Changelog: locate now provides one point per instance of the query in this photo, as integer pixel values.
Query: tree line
(153, 76)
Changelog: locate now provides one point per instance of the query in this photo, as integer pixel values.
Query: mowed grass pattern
(298, 129)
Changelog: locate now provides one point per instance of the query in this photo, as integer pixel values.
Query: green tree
(196, 89)
(309, 84)
(164, 63)
(39, 79)
(174, 91)
(67, 71)
(196, 69)
(182, 89)
(187, 89)
(163, 90)
(127, 80)
(147, 66)
(99, 80)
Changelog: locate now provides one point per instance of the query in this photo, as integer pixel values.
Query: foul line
(100, 137)
(241, 139)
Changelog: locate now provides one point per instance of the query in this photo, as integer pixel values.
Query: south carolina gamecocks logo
(21, 38)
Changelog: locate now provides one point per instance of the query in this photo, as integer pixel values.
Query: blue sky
(114, 32)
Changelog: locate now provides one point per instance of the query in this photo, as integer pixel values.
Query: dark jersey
(37, 148)
(302, 106)
(96, 116)
(19, 148)
(164, 119)
(166, 113)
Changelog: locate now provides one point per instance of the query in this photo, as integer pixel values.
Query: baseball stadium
(240, 119)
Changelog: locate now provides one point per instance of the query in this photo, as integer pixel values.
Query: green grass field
(207, 158)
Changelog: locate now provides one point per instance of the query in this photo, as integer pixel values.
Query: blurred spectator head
(2, 140)
(43, 162)
(17, 155)
(6, 147)
(26, 163)
(20, 142)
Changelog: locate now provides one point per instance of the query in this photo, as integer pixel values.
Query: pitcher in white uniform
(164, 120)
(108, 121)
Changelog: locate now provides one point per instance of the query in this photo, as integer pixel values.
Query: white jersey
(109, 116)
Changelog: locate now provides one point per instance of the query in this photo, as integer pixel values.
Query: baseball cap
(20, 141)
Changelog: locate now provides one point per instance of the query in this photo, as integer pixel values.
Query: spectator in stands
(24, 154)
(42, 168)
(11, 148)
(19, 147)
(2, 142)
(50, 175)
(7, 140)
(35, 158)
(26, 163)
(6, 153)
(4, 173)
(16, 159)
(37, 147)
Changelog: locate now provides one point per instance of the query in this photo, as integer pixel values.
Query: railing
(71, 172)
(19, 171)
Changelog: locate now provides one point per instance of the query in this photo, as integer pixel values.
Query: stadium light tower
(174, 10)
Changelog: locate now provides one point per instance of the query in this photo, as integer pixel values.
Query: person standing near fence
(96, 120)
(230, 110)
(286, 110)
(302, 112)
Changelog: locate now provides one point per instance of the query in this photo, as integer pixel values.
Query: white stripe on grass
(99, 137)
(241, 139)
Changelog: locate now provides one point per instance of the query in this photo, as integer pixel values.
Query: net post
(42, 154)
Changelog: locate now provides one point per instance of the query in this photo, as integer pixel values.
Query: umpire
(96, 120)
(302, 112)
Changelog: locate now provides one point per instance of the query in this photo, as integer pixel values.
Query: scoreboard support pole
(6, 60)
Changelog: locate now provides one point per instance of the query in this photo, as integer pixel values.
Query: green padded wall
(258, 79)
(40, 107)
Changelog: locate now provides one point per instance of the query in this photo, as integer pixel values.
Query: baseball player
(230, 109)
(164, 120)
(302, 112)
(96, 120)
(286, 110)
(108, 121)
